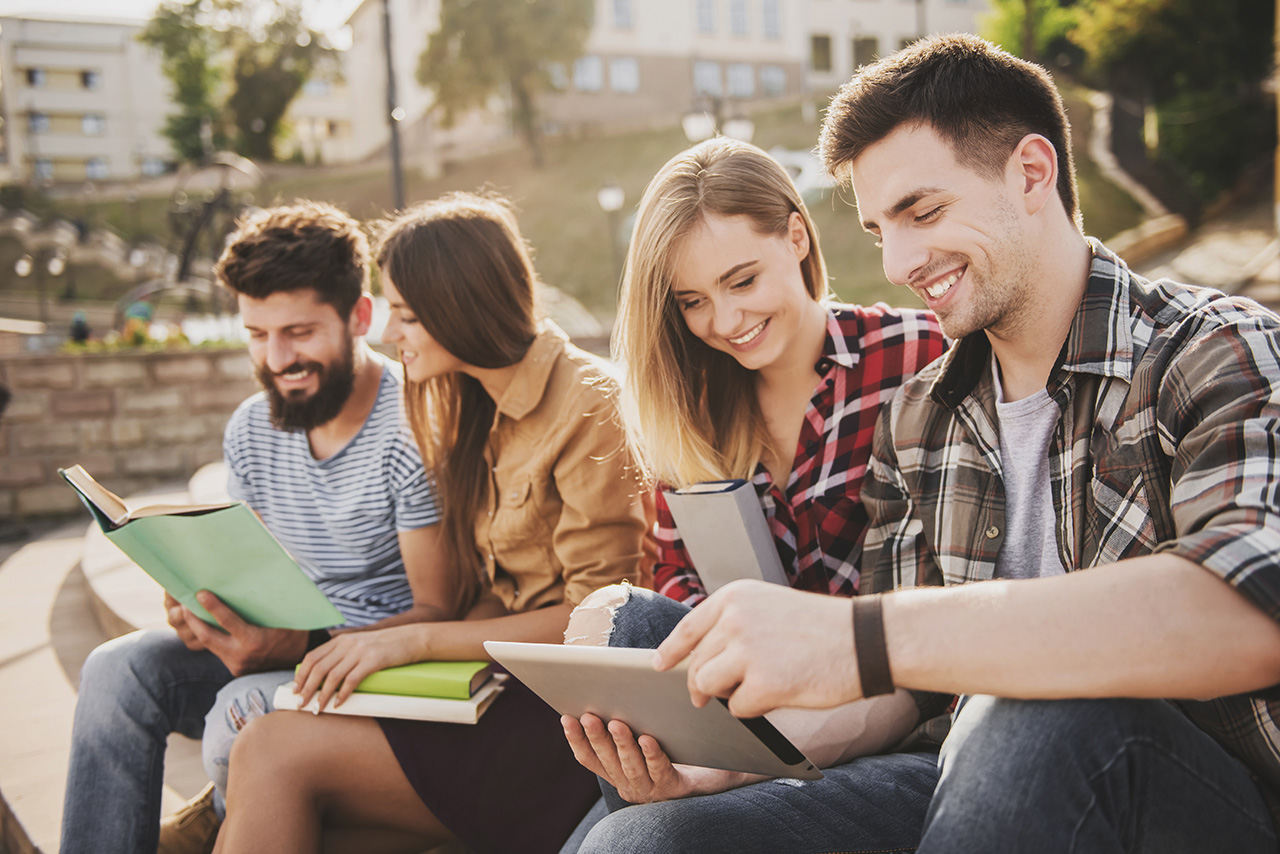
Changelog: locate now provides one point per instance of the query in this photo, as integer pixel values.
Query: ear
(1034, 165)
(798, 235)
(362, 315)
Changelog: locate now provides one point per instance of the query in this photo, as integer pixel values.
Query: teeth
(750, 336)
(296, 375)
(942, 287)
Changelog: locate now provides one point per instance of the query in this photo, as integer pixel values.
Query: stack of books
(450, 691)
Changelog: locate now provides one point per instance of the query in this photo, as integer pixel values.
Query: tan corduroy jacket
(564, 510)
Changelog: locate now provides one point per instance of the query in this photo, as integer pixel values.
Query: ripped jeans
(134, 691)
(240, 701)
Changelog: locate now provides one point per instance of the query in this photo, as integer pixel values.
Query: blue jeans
(134, 691)
(1013, 776)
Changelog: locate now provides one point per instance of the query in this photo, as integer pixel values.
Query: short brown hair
(978, 97)
(304, 245)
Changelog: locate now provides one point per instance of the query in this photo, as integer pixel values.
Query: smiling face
(421, 354)
(953, 235)
(742, 292)
(303, 353)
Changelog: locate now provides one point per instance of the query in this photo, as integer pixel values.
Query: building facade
(645, 62)
(82, 100)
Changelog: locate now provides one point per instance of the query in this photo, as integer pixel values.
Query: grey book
(725, 532)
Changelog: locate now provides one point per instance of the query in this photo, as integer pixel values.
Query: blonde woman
(542, 506)
(739, 365)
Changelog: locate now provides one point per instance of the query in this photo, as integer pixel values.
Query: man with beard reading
(324, 456)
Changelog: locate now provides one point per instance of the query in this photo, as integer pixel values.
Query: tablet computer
(621, 684)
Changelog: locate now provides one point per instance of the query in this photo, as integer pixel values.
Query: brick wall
(134, 421)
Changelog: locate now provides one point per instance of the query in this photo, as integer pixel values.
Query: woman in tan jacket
(542, 506)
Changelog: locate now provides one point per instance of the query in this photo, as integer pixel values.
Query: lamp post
(610, 197)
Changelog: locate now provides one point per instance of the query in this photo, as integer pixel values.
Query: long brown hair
(462, 267)
(690, 410)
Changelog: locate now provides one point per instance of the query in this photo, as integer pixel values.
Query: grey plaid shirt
(1169, 440)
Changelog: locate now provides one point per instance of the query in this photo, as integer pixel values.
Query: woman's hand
(333, 670)
(638, 768)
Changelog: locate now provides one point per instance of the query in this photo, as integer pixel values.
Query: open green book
(222, 548)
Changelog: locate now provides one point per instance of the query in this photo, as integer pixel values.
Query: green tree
(189, 54)
(1028, 28)
(1202, 66)
(502, 47)
(235, 65)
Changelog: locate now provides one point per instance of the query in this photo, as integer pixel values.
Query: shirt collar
(839, 346)
(534, 372)
(1100, 340)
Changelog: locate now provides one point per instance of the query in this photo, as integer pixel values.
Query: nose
(903, 253)
(280, 353)
(726, 317)
(391, 332)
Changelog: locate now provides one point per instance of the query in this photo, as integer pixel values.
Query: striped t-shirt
(339, 516)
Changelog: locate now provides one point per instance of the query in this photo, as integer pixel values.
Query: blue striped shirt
(338, 517)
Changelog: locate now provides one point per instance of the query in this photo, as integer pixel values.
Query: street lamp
(611, 197)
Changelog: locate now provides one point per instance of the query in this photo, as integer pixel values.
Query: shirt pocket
(1120, 523)
(517, 523)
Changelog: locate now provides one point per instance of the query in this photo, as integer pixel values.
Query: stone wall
(133, 420)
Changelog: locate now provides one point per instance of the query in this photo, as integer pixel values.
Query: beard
(298, 410)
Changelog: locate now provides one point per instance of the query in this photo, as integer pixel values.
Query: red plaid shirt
(818, 520)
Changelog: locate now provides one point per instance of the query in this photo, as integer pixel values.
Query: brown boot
(192, 829)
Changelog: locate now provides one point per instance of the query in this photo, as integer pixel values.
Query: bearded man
(323, 455)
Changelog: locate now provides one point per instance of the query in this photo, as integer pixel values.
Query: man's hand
(332, 671)
(243, 648)
(638, 768)
(763, 646)
(178, 620)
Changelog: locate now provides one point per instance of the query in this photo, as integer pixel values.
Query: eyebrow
(903, 204)
(727, 274)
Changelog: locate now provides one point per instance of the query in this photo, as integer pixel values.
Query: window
(588, 74)
(96, 169)
(38, 122)
(820, 53)
(90, 79)
(706, 12)
(624, 75)
(44, 169)
(622, 17)
(558, 75)
(866, 49)
(317, 88)
(35, 77)
(773, 81)
(93, 124)
(772, 19)
(153, 166)
(742, 80)
(738, 17)
(706, 78)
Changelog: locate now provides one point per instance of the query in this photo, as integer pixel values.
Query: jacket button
(993, 532)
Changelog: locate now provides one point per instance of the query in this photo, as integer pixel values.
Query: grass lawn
(560, 216)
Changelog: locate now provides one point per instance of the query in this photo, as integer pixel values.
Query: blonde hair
(690, 411)
(462, 267)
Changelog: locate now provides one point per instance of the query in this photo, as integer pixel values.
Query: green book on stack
(450, 680)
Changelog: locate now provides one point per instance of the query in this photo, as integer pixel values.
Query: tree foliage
(235, 65)
(485, 48)
(1028, 28)
(1202, 66)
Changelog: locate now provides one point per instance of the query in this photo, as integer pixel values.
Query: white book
(725, 532)
(400, 706)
